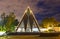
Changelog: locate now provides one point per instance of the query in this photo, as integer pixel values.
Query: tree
(49, 22)
(2, 21)
(3, 18)
(15, 23)
(10, 20)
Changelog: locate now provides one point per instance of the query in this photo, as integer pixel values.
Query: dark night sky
(41, 8)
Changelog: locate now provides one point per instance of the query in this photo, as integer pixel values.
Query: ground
(28, 37)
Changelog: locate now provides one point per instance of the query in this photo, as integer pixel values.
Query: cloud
(41, 8)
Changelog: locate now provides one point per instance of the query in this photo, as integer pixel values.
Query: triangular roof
(28, 12)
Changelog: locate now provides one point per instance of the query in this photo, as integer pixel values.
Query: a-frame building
(28, 16)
